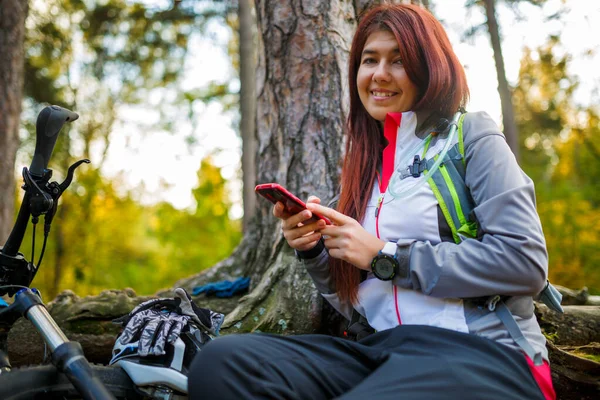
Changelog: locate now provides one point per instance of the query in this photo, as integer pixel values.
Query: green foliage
(209, 233)
(102, 239)
(122, 49)
(98, 58)
(564, 161)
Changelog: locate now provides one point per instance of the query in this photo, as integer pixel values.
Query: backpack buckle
(415, 168)
(491, 302)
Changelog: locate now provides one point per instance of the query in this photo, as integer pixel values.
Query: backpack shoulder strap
(448, 186)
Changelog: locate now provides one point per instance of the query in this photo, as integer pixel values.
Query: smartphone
(274, 192)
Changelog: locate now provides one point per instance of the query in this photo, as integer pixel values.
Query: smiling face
(382, 83)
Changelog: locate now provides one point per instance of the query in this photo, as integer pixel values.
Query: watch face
(384, 267)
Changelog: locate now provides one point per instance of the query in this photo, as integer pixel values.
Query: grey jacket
(509, 257)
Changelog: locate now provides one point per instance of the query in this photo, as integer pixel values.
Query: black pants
(407, 362)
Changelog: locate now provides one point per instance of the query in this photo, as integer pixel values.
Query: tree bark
(508, 114)
(247, 107)
(574, 377)
(12, 34)
(302, 53)
(578, 326)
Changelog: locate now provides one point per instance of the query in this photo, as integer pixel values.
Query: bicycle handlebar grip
(49, 123)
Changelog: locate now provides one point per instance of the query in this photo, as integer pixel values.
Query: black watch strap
(312, 253)
(403, 247)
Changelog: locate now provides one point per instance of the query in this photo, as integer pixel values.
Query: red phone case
(274, 192)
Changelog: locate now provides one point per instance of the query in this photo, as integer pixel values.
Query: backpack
(448, 185)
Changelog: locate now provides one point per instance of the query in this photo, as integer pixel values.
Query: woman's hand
(299, 236)
(346, 239)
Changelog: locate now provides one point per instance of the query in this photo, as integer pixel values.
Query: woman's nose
(382, 72)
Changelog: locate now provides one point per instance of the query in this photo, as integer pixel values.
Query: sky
(166, 165)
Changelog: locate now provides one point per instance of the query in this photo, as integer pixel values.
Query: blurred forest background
(101, 57)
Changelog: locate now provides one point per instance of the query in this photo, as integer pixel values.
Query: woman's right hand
(300, 236)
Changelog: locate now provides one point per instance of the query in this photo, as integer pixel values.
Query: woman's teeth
(383, 94)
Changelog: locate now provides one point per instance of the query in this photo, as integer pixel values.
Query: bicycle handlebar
(49, 122)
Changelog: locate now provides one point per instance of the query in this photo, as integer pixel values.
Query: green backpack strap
(469, 228)
(448, 186)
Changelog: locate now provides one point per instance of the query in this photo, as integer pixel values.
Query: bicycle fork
(67, 356)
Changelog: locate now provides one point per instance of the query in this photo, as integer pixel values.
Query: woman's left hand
(346, 239)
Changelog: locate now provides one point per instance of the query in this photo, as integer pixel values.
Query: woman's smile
(382, 94)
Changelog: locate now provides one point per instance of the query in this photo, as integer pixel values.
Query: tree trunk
(577, 326)
(508, 114)
(12, 33)
(247, 107)
(574, 350)
(302, 53)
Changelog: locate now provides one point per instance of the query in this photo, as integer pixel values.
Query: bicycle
(70, 375)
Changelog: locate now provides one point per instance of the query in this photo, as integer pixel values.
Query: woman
(392, 254)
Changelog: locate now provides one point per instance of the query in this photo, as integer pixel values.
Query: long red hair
(432, 66)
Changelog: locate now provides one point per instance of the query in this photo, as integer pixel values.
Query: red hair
(431, 64)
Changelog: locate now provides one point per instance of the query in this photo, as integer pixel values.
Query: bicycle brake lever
(57, 189)
(65, 184)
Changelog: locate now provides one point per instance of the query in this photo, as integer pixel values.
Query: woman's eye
(369, 61)
(398, 62)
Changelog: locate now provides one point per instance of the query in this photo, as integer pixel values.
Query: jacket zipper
(377, 209)
(377, 212)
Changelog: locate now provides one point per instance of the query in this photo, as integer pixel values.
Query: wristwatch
(385, 265)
